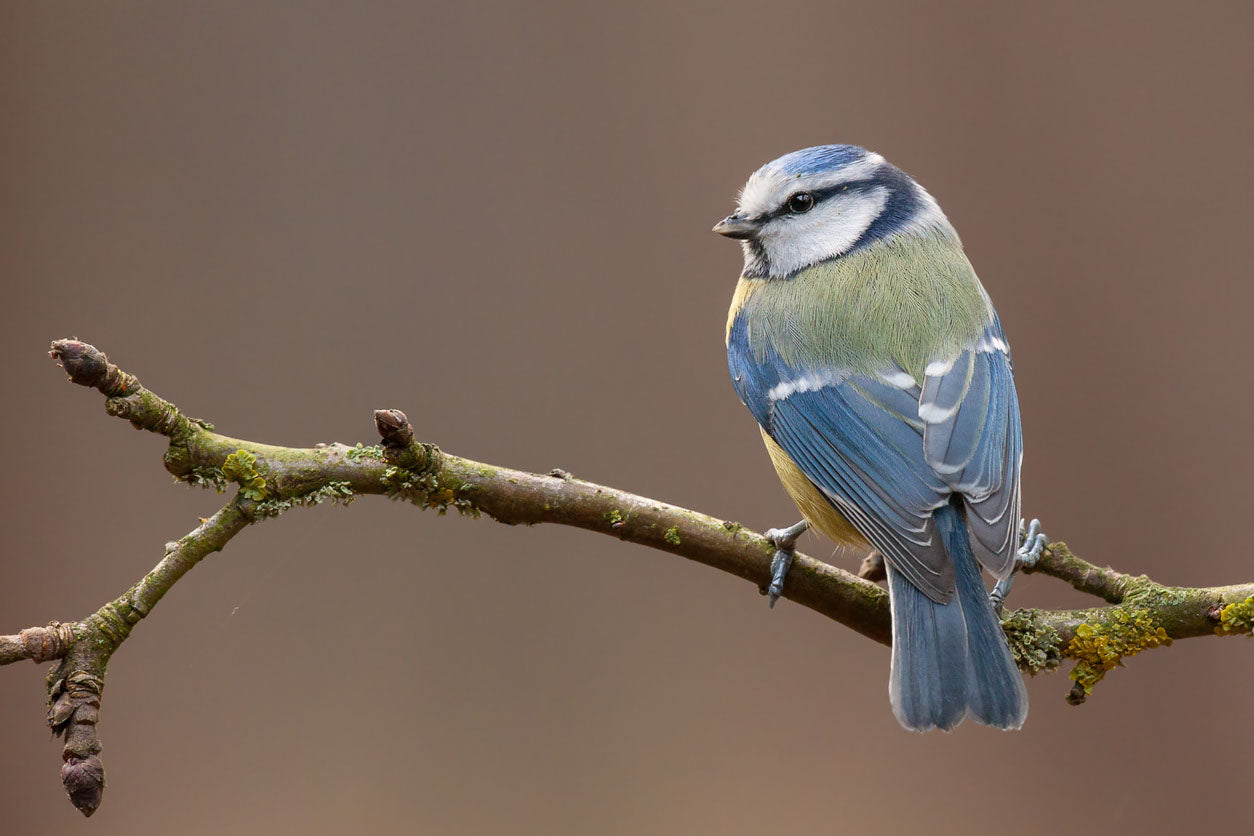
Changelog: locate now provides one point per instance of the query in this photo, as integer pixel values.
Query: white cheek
(829, 230)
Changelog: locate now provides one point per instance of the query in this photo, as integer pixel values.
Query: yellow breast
(810, 500)
(744, 289)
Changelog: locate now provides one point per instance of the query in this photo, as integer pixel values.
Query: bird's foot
(785, 542)
(1031, 543)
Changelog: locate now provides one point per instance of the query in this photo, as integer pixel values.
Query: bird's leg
(785, 542)
(1031, 542)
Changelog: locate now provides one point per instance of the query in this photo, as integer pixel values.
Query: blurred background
(496, 217)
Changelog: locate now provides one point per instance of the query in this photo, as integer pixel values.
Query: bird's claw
(1031, 543)
(785, 542)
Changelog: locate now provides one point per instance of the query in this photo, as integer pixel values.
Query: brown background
(498, 220)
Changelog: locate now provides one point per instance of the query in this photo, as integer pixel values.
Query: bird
(862, 342)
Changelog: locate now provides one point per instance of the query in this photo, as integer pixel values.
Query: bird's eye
(800, 202)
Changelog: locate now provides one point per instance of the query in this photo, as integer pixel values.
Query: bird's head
(821, 203)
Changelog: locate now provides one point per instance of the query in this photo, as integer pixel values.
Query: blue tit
(862, 342)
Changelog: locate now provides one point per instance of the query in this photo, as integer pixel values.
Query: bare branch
(1106, 584)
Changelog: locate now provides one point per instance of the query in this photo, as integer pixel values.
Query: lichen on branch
(1236, 618)
(1101, 646)
(272, 479)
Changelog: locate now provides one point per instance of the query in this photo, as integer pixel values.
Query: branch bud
(394, 427)
(84, 780)
(87, 365)
(73, 711)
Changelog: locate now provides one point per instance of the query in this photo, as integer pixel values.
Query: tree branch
(1059, 562)
(84, 648)
(272, 479)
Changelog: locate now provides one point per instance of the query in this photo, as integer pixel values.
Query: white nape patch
(899, 379)
(805, 383)
(770, 186)
(793, 242)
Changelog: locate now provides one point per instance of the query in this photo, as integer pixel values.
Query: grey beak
(739, 227)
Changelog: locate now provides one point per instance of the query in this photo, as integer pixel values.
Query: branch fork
(270, 480)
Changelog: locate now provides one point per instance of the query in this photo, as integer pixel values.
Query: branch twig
(271, 479)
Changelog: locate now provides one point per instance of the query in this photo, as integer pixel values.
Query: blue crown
(819, 158)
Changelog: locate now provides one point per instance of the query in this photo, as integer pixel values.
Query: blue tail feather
(927, 685)
(950, 660)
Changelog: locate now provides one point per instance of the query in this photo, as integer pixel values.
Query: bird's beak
(739, 227)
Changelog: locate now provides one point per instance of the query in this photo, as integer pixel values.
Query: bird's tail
(952, 659)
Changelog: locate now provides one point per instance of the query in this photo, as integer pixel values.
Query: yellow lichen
(1237, 618)
(1100, 647)
(440, 499)
(241, 467)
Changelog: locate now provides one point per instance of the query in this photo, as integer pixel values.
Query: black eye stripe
(820, 195)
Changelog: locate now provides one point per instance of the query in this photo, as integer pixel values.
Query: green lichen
(733, 527)
(462, 503)
(1237, 618)
(206, 477)
(407, 485)
(1036, 647)
(241, 467)
(359, 452)
(672, 536)
(333, 492)
(1144, 593)
(613, 517)
(1101, 647)
(426, 491)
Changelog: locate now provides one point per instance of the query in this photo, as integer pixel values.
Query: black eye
(800, 202)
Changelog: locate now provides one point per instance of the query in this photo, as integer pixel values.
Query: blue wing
(867, 458)
(887, 452)
(972, 439)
